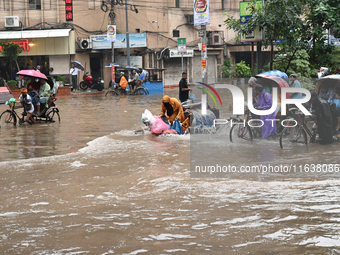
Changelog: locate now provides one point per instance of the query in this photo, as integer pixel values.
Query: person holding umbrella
(74, 72)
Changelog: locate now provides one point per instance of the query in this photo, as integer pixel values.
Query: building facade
(55, 32)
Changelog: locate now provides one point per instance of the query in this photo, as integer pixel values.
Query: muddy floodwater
(90, 185)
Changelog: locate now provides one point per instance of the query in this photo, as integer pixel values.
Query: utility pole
(112, 15)
(204, 55)
(127, 39)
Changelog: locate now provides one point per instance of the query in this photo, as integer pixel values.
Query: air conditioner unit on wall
(215, 39)
(12, 21)
(85, 43)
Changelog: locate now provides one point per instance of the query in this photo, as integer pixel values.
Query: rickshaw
(324, 120)
(116, 90)
(247, 132)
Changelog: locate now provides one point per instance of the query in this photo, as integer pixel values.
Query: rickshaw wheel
(293, 136)
(53, 116)
(7, 118)
(240, 133)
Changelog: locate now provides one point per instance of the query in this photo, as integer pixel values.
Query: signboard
(204, 47)
(182, 45)
(245, 15)
(69, 10)
(111, 33)
(23, 43)
(334, 41)
(136, 61)
(176, 54)
(201, 12)
(100, 42)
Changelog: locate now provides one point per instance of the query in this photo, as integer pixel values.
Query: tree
(226, 68)
(11, 51)
(279, 18)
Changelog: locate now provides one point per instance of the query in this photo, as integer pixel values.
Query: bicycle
(297, 131)
(117, 90)
(10, 117)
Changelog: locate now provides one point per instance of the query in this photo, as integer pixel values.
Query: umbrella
(32, 73)
(110, 64)
(276, 73)
(78, 65)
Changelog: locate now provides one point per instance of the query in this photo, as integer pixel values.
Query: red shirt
(33, 86)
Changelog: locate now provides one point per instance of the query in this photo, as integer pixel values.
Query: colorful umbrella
(32, 73)
(78, 65)
(276, 73)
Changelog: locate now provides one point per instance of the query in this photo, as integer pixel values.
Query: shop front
(50, 49)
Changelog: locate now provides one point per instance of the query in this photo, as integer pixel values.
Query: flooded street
(90, 185)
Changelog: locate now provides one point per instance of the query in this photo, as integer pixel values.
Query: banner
(111, 33)
(100, 42)
(201, 12)
(245, 15)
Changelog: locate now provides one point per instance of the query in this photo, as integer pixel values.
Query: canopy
(277, 81)
(276, 73)
(329, 81)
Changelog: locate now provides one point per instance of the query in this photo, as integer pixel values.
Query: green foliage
(61, 78)
(295, 62)
(12, 84)
(11, 51)
(2, 83)
(331, 60)
(241, 70)
(226, 68)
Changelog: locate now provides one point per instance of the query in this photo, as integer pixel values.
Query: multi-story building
(52, 34)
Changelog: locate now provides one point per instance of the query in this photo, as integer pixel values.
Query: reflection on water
(110, 191)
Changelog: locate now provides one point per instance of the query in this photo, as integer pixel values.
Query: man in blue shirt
(295, 84)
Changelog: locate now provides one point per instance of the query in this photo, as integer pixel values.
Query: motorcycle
(90, 82)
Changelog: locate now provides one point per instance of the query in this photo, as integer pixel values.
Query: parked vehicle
(90, 82)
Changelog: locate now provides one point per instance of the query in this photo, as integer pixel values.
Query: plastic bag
(192, 96)
(158, 126)
(147, 116)
(177, 126)
(336, 101)
(127, 88)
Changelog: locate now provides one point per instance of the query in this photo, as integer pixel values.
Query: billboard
(245, 15)
(136, 40)
(201, 12)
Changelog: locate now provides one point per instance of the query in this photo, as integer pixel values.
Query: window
(91, 4)
(4, 5)
(177, 3)
(137, 30)
(175, 33)
(35, 4)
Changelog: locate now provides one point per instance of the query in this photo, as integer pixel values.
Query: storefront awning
(34, 33)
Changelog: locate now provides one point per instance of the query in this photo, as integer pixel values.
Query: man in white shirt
(26, 101)
(74, 72)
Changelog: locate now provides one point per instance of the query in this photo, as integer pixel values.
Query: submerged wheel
(100, 88)
(240, 133)
(7, 118)
(83, 85)
(140, 91)
(113, 92)
(293, 136)
(53, 116)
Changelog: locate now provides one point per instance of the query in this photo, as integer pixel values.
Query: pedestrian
(172, 108)
(183, 88)
(38, 69)
(264, 102)
(74, 72)
(251, 83)
(295, 84)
